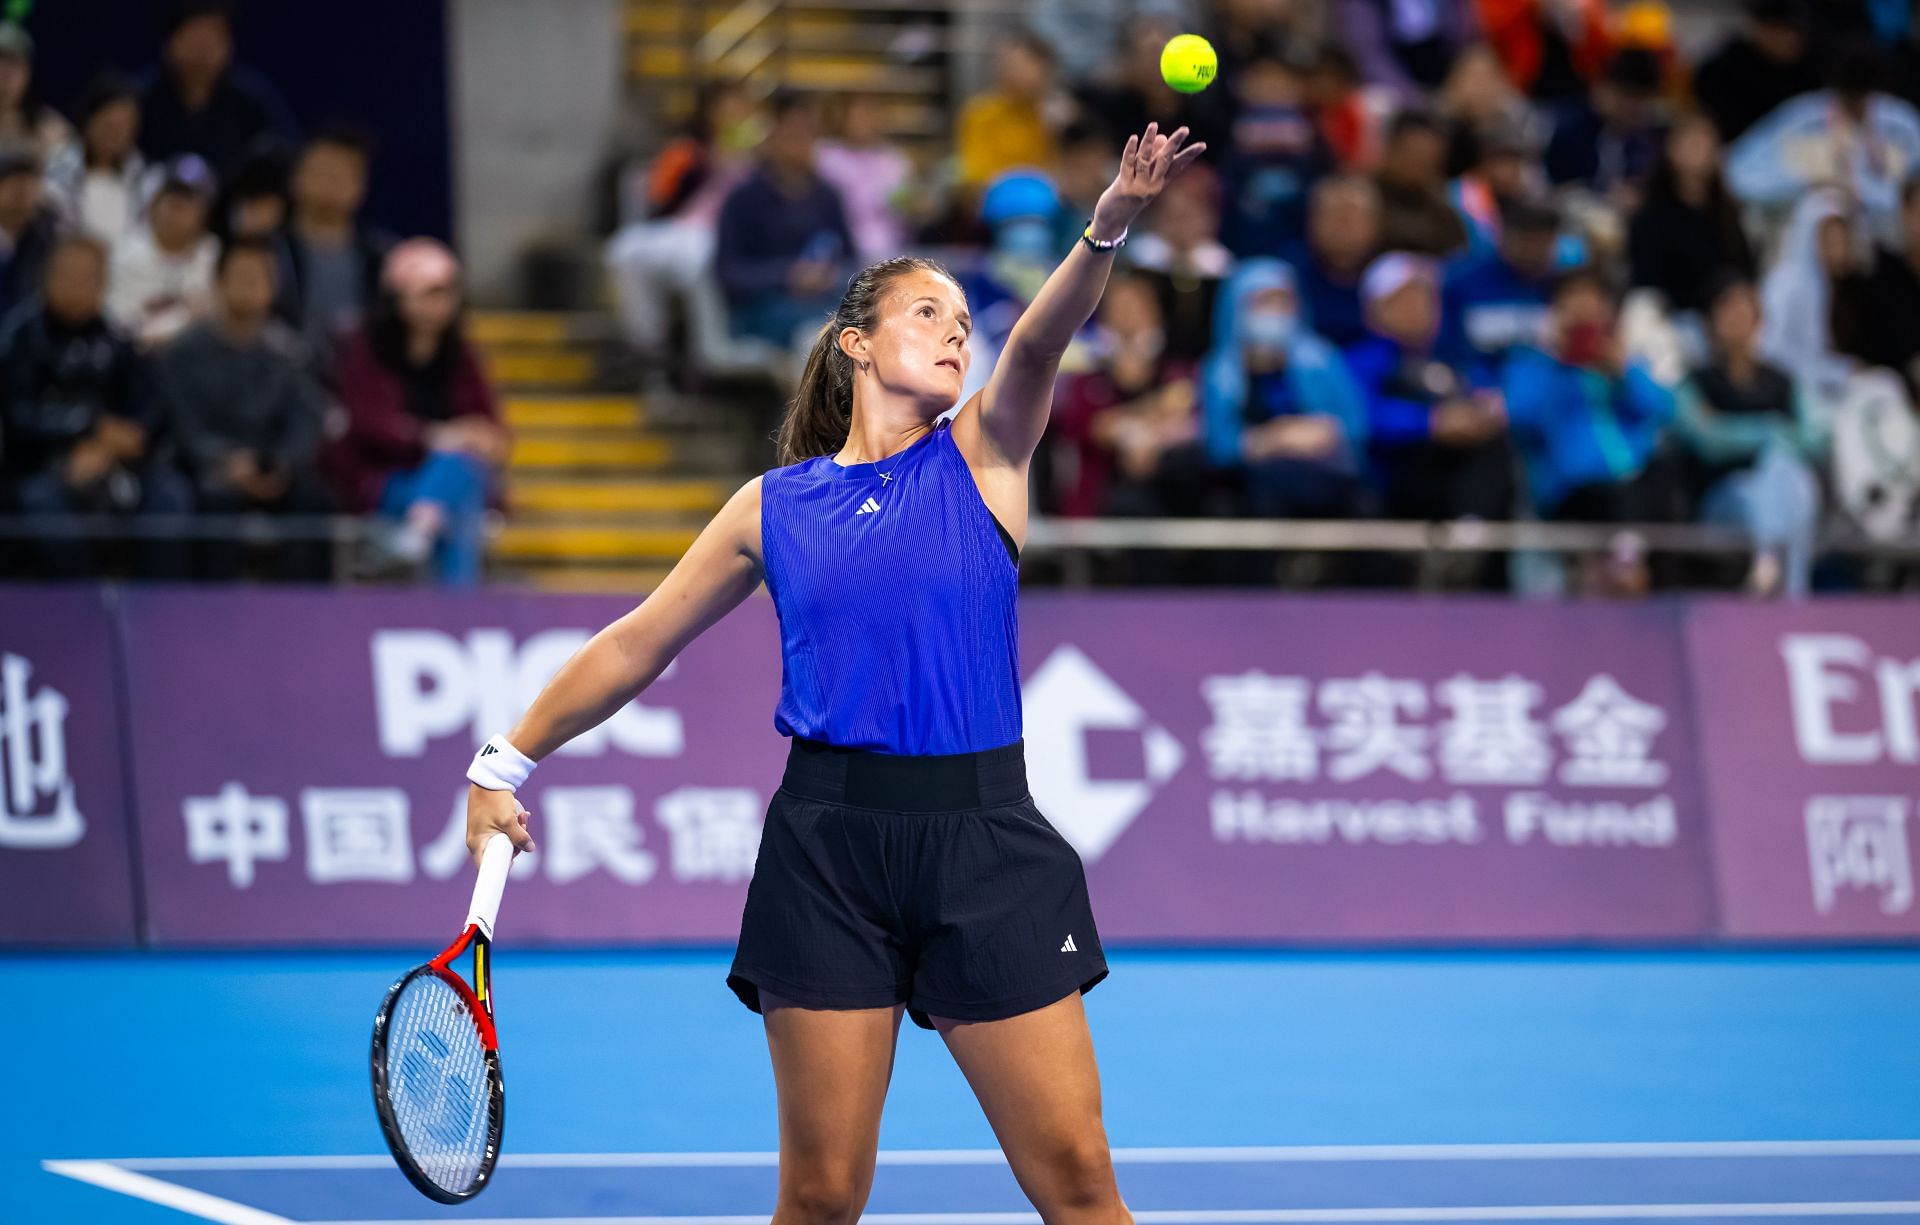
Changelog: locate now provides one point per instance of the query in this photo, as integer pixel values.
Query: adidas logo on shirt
(1069, 946)
(867, 507)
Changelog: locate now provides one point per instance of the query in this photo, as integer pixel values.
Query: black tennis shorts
(932, 882)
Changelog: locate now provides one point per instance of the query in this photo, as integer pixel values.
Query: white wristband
(498, 766)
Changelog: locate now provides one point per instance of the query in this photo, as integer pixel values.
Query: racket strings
(438, 1082)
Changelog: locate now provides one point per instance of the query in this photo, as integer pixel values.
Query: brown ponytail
(820, 415)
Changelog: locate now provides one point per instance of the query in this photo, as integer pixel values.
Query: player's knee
(1080, 1171)
(823, 1194)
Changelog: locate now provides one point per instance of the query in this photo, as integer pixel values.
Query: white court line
(1142, 1156)
(1504, 1212)
(166, 1194)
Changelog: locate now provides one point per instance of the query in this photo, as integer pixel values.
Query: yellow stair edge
(548, 367)
(593, 497)
(520, 541)
(605, 579)
(574, 412)
(589, 453)
(517, 328)
(657, 62)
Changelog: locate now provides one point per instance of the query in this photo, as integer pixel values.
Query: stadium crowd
(1446, 259)
(194, 319)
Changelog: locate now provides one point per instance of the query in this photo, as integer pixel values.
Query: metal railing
(1074, 538)
(342, 533)
(1427, 542)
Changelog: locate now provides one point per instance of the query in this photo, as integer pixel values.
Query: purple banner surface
(1260, 768)
(65, 868)
(1230, 767)
(1809, 720)
(300, 762)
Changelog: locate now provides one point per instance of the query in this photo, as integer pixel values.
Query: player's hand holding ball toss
(1148, 163)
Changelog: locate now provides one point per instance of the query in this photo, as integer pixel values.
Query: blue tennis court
(1240, 1087)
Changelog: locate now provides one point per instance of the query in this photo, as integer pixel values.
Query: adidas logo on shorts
(1069, 946)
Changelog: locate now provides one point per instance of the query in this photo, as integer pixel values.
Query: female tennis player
(903, 866)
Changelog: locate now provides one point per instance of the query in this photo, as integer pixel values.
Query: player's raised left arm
(1012, 411)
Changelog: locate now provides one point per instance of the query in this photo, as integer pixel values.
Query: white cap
(1394, 271)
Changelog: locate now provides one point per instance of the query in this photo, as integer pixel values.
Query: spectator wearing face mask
(1279, 406)
(1496, 302)
(162, 277)
(1415, 213)
(1124, 431)
(1753, 437)
(1182, 257)
(1274, 157)
(1021, 211)
(1343, 236)
(1588, 421)
(1437, 437)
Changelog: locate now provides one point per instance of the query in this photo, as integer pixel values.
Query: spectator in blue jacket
(1588, 420)
(783, 251)
(1343, 235)
(1494, 301)
(1436, 437)
(1278, 404)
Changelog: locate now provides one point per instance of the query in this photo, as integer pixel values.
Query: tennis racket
(436, 1058)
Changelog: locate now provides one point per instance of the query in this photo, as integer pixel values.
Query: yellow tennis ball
(1188, 63)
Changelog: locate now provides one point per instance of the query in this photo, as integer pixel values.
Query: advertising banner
(1809, 718)
(1230, 767)
(300, 761)
(1268, 769)
(65, 866)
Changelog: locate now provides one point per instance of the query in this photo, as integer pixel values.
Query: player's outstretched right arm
(721, 569)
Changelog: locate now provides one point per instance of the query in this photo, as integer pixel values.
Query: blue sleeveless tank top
(895, 593)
